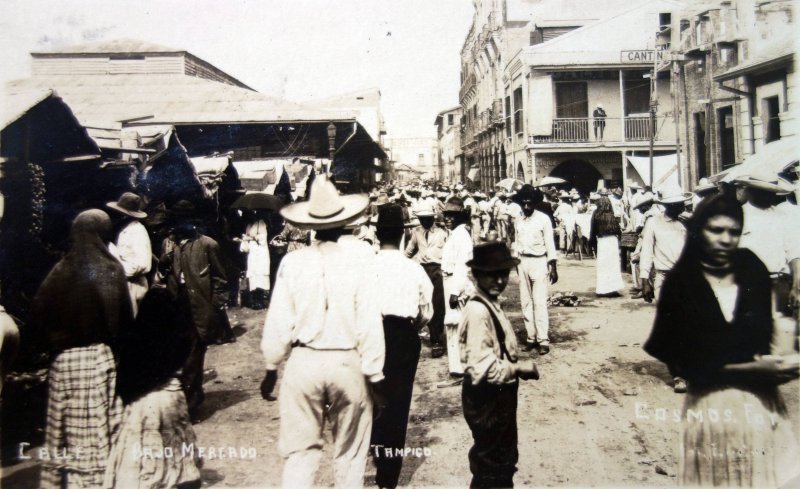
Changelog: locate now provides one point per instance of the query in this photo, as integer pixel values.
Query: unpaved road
(595, 418)
(578, 425)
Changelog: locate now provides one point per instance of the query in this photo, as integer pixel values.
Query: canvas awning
(665, 171)
(777, 157)
(474, 174)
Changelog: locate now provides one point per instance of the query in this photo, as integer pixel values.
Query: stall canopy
(665, 171)
(38, 126)
(778, 157)
(209, 116)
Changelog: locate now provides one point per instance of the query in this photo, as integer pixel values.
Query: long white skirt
(258, 267)
(609, 275)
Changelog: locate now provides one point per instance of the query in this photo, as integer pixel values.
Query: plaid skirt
(83, 417)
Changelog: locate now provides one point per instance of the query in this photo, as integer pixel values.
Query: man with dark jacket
(197, 280)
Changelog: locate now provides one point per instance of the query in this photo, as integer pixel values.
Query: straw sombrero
(325, 208)
(763, 179)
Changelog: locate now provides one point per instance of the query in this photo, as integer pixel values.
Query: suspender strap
(498, 330)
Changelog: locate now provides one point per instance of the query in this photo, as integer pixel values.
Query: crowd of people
(352, 281)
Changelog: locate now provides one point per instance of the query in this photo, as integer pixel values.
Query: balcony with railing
(609, 130)
(467, 86)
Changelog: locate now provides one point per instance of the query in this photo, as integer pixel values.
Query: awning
(777, 157)
(474, 174)
(211, 164)
(665, 171)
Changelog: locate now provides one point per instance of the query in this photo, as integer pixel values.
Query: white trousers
(533, 283)
(320, 385)
(451, 319)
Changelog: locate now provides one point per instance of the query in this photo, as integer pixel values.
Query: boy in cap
(404, 295)
(492, 369)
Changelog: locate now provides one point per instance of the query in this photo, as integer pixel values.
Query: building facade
(419, 154)
(449, 156)
(735, 77)
(586, 107)
(500, 29)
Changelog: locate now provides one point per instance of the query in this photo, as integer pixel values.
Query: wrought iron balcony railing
(620, 129)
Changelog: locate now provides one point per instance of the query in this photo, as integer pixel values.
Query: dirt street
(601, 415)
(578, 425)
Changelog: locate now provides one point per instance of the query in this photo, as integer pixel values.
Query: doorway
(579, 174)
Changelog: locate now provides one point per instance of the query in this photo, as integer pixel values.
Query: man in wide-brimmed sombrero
(323, 317)
(131, 244)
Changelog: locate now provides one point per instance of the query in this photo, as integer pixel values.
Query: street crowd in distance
(352, 284)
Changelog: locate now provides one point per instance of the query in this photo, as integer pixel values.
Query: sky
(295, 49)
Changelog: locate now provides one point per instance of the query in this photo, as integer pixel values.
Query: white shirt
(324, 298)
(534, 236)
(514, 210)
(133, 249)
(773, 234)
(565, 213)
(662, 244)
(456, 253)
(403, 287)
(726, 291)
(616, 205)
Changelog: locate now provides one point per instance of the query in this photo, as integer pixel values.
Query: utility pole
(652, 122)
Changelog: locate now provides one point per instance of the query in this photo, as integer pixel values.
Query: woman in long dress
(606, 233)
(255, 242)
(714, 326)
(155, 446)
(80, 309)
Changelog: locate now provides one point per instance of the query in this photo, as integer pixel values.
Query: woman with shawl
(606, 233)
(80, 309)
(713, 327)
(150, 452)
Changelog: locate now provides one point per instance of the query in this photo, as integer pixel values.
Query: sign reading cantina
(640, 56)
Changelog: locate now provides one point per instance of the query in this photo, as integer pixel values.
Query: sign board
(640, 56)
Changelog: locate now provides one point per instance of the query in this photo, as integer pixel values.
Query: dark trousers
(389, 427)
(491, 413)
(191, 376)
(436, 324)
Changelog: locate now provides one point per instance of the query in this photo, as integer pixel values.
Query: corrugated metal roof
(15, 107)
(112, 47)
(169, 99)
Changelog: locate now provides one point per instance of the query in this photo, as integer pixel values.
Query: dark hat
(390, 216)
(453, 205)
(183, 208)
(129, 204)
(528, 192)
(492, 256)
